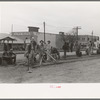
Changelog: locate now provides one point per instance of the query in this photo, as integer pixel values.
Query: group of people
(44, 50)
(78, 46)
(89, 48)
(8, 57)
(67, 47)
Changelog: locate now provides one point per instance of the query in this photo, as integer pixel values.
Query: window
(21, 33)
(83, 39)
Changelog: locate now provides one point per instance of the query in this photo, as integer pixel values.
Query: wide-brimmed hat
(49, 41)
(41, 41)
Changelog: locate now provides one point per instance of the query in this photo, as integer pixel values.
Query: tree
(68, 37)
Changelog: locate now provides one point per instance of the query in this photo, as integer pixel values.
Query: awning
(8, 39)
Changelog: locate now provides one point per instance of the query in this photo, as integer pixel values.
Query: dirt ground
(76, 72)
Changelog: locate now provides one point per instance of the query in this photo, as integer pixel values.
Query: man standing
(32, 50)
(48, 48)
(42, 53)
(78, 51)
(65, 49)
(71, 46)
(90, 48)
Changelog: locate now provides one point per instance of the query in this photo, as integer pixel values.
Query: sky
(58, 16)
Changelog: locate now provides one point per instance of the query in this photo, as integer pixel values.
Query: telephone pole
(77, 28)
(44, 30)
(11, 29)
(92, 42)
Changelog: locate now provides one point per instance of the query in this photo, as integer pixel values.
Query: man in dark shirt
(32, 45)
(71, 46)
(55, 53)
(78, 50)
(32, 50)
(12, 57)
(5, 57)
(65, 48)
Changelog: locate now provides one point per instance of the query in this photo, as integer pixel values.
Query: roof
(88, 35)
(33, 27)
(36, 32)
(51, 33)
(3, 35)
(8, 36)
(18, 41)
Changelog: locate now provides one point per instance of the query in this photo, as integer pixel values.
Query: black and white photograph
(50, 42)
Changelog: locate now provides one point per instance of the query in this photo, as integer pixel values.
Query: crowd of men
(44, 52)
(78, 46)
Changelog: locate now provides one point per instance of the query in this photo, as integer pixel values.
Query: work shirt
(32, 46)
(48, 47)
(96, 44)
(42, 47)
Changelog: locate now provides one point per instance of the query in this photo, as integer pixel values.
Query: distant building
(83, 39)
(18, 44)
(38, 35)
(56, 39)
(33, 29)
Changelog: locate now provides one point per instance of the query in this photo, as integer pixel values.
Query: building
(56, 39)
(17, 44)
(38, 35)
(83, 39)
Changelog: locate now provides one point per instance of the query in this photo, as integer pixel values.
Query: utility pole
(76, 29)
(92, 42)
(11, 29)
(92, 36)
(12, 34)
(44, 30)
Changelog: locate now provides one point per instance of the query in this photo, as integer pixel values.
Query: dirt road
(75, 72)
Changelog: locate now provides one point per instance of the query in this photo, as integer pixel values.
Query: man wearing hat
(41, 52)
(32, 50)
(48, 48)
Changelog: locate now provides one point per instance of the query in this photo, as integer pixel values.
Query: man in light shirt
(48, 48)
(96, 44)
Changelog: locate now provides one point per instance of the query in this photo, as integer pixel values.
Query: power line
(59, 26)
